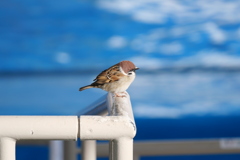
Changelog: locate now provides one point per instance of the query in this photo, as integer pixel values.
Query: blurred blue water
(60, 35)
(32, 152)
(163, 95)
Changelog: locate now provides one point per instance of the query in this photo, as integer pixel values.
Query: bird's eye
(129, 73)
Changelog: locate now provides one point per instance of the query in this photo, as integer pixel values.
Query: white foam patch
(63, 57)
(146, 63)
(158, 11)
(173, 48)
(210, 59)
(117, 42)
(216, 34)
(202, 59)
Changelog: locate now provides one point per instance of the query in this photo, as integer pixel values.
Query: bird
(115, 79)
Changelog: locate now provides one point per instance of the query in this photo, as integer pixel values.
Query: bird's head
(128, 68)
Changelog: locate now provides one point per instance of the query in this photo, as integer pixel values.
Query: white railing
(118, 127)
(13, 128)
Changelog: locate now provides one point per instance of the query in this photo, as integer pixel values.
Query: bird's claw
(121, 94)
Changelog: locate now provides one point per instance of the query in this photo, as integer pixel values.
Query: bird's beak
(136, 68)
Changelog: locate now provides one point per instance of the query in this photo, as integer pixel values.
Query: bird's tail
(85, 87)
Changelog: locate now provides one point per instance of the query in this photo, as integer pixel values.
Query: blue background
(189, 53)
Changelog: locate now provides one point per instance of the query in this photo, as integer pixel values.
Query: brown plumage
(105, 80)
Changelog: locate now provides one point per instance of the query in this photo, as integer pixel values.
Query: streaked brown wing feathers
(109, 75)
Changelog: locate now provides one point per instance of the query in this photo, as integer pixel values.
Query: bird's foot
(121, 94)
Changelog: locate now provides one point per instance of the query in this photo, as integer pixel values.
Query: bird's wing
(111, 74)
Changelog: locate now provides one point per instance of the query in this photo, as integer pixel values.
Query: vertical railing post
(121, 149)
(70, 152)
(89, 151)
(55, 150)
(111, 150)
(7, 148)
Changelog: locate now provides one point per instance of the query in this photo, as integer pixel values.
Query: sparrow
(115, 79)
